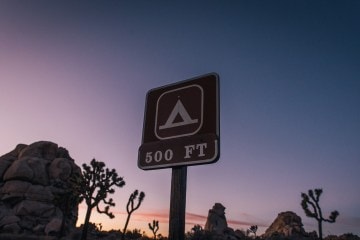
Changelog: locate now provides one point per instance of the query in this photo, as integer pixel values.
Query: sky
(77, 72)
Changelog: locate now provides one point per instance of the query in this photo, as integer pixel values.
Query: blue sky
(77, 73)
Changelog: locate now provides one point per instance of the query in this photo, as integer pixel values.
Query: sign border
(213, 159)
(202, 112)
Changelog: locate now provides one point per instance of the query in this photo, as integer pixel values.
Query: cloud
(161, 216)
(195, 217)
(191, 218)
(246, 223)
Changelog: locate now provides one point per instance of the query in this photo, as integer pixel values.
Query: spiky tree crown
(98, 182)
(130, 205)
(154, 227)
(313, 200)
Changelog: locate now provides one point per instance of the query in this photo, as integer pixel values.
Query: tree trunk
(320, 229)
(86, 224)
(125, 227)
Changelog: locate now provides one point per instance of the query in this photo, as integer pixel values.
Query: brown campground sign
(181, 124)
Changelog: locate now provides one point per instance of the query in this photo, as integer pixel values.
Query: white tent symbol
(180, 110)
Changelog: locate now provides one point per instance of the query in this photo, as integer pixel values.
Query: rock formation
(216, 225)
(286, 225)
(35, 194)
(216, 220)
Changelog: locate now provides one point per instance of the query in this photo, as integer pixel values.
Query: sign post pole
(177, 203)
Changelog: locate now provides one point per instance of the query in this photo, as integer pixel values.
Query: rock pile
(287, 225)
(34, 190)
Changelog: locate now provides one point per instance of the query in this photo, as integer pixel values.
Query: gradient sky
(77, 73)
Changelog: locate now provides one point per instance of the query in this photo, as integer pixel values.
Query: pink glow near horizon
(141, 219)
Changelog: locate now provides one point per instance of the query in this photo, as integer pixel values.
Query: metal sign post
(181, 128)
(177, 203)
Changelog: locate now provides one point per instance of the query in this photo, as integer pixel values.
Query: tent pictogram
(178, 110)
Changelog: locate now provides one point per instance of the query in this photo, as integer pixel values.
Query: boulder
(34, 190)
(7, 159)
(43, 149)
(20, 170)
(11, 228)
(60, 168)
(34, 208)
(9, 220)
(39, 168)
(14, 190)
(53, 227)
(39, 193)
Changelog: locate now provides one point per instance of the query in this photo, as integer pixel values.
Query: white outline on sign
(184, 114)
(178, 109)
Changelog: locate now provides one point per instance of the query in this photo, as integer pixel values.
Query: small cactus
(154, 227)
(130, 207)
(253, 230)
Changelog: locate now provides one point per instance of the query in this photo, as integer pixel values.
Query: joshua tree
(315, 211)
(154, 227)
(253, 229)
(96, 184)
(130, 208)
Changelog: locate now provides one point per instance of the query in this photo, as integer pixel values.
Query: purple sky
(76, 73)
